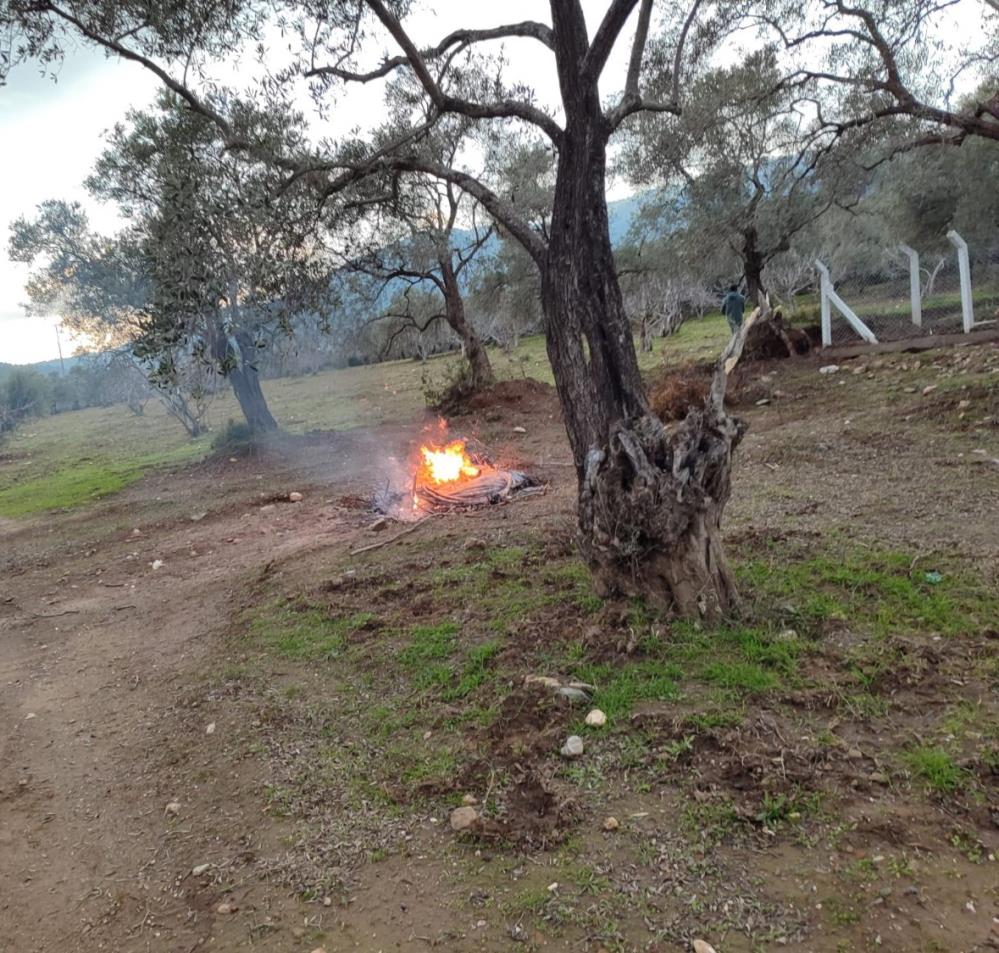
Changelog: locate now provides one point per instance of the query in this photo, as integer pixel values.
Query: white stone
(596, 718)
(573, 747)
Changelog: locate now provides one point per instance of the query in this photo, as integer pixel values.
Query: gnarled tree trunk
(454, 314)
(650, 499)
(234, 357)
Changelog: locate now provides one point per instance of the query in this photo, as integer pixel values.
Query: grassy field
(69, 459)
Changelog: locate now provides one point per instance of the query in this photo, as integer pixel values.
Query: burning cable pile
(449, 477)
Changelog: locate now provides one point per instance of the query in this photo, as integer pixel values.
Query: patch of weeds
(969, 845)
(437, 676)
(529, 900)
(620, 687)
(306, 634)
(711, 821)
(506, 557)
(740, 676)
(587, 775)
(736, 658)
(674, 750)
(864, 705)
(504, 597)
(935, 767)
(841, 912)
(439, 763)
(880, 590)
(970, 719)
(862, 871)
(429, 643)
(475, 671)
(576, 583)
(710, 720)
(589, 880)
(780, 809)
(900, 867)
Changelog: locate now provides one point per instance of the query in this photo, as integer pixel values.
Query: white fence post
(824, 284)
(830, 297)
(964, 266)
(915, 296)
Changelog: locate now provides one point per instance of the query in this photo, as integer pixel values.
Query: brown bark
(234, 357)
(753, 265)
(650, 500)
(246, 386)
(454, 314)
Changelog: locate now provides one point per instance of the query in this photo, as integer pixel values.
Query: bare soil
(168, 784)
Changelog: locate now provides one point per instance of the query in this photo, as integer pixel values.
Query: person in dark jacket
(733, 305)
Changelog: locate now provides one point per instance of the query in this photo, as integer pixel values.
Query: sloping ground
(819, 774)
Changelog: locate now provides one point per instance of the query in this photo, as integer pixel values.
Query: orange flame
(448, 463)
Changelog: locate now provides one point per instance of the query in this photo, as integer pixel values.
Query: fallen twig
(391, 539)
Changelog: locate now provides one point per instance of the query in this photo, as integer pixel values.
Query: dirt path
(97, 659)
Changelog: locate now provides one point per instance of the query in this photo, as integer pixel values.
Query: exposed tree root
(651, 503)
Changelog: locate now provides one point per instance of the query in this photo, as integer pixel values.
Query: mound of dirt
(774, 338)
(523, 394)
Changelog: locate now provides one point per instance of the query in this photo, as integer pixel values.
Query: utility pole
(62, 363)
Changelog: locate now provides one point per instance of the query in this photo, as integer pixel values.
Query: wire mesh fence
(909, 295)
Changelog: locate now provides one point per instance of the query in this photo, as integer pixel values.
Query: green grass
(882, 591)
(619, 687)
(737, 661)
(85, 480)
(428, 644)
(935, 767)
(740, 676)
(306, 634)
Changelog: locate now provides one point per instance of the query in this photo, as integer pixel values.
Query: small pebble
(573, 747)
(611, 824)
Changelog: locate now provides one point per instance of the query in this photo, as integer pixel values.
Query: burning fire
(448, 463)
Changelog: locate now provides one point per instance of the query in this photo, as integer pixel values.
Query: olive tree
(650, 499)
(228, 259)
(101, 289)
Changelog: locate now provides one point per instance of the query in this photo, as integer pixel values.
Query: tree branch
(459, 38)
(603, 41)
(501, 211)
